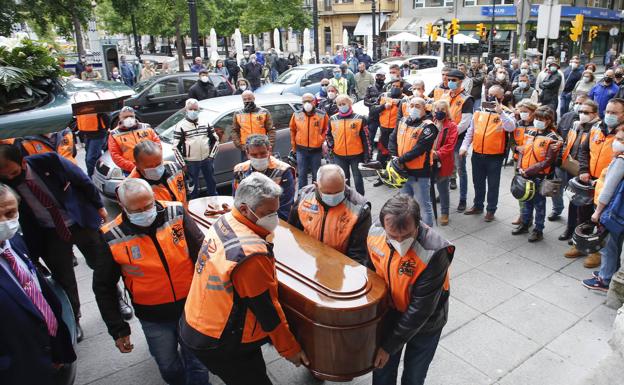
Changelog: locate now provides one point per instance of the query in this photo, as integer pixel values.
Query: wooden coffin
(334, 305)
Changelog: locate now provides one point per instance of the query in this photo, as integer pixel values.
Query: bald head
(330, 179)
(248, 96)
(307, 97)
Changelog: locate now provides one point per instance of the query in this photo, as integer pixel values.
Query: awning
(400, 24)
(407, 37)
(365, 25)
(415, 25)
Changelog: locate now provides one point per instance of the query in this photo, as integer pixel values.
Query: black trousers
(384, 140)
(58, 257)
(243, 367)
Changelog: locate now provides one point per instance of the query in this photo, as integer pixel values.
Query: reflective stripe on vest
(89, 122)
(210, 307)
(456, 104)
(127, 140)
(400, 273)
(489, 136)
(310, 129)
(251, 123)
(63, 140)
(175, 185)
(407, 138)
(388, 116)
(331, 226)
(600, 150)
(346, 133)
(156, 269)
(275, 171)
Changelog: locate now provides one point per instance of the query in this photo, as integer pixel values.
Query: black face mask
(250, 106)
(608, 80)
(380, 80)
(18, 180)
(492, 99)
(395, 92)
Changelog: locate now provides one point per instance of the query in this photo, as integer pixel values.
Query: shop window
(472, 3)
(432, 3)
(598, 3)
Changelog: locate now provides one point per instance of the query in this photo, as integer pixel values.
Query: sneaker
(378, 183)
(461, 207)
(573, 252)
(453, 184)
(521, 229)
(536, 236)
(444, 220)
(553, 216)
(592, 261)
(596, 283)
(595, 274)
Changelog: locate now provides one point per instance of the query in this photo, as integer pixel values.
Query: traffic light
(593, 32)
(428, 29)
(577, 27)
(452, 29)
(435, 31)
(481, 30)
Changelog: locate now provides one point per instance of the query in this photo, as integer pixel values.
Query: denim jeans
(443, 190)
(307, 162)
(351, 162)
(420, 189)
(538, 203)
(558, 205)
(566, 98)
(610, 256)
(460, 167)
(486, 169)
(176, 368)
(274, 74)
(207, 169)
(93, 151)
(419, 352)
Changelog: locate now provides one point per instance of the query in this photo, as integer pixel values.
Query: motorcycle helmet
(579, 193)
(588, 237)
(395, 175)
(292, 159)
(522, 188)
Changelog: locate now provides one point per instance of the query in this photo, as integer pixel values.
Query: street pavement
(518, 313)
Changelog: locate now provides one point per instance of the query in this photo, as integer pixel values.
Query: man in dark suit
(35, 342)
(60, 207)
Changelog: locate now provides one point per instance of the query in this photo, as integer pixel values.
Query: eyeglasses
(585, 112)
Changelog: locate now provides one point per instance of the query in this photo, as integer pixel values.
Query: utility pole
(315, 25)
(373, 36)
(491, 40)
(194, 28)
(137, 50)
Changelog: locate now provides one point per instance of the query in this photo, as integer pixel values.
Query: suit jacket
(71, 187)
(26, 349)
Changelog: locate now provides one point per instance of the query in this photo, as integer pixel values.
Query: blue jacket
(71, 187)
(127, 73)
(26, 349)
(601, 94)
(571, 78)
(260, 57)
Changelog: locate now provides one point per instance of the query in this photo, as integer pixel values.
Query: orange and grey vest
(600, 150)
(388, 116)
(489, 136)
(90, 123)
(275, 171)
(308, 131)
(62, 143)
(456, 103)
(174, 190)
(407, 137)
(571, 141)
(347, 135)
(128, 139)
(251, 123)
(535, 150)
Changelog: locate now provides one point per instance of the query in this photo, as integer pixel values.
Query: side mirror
(150, 97)
(306, 82)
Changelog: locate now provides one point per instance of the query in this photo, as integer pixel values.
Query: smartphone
(488, 105)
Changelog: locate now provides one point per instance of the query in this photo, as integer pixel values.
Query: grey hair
(132, 186)
(345, 98)
(191, 102)
(418, 82)
(146, 147)
(257, 140)
(418, 99)
(4, 190)
(254, 189)
(329, 169)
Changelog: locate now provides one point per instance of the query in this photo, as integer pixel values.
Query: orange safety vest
(407, 137)
(535, 150)
(438, 93)
(90, 123)
(308, 131)
(489, 137)
(600, 150)
(40, 145)
(388, 116)
(251, 123)
(330, 225)
(275, 171)
(600, 183)
(456, 103)
(128, 139)
(400, 273)
(347, 135)
(210, 302)
(156, 269)
(174, 190)
(519, 135)
(570, 139)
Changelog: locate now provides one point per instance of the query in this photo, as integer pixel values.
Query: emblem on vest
(496, 120)
(142, 134)
(353, 126)
(258, 117)
(180, 184)
(407, 268)
(310, 207)
(136, 252)
(177, 232)
(459, 103)
(207, 248)
(38, 147)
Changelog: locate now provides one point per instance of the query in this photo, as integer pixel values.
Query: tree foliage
(265, 15)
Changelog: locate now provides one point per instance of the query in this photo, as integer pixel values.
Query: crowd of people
(207, 302)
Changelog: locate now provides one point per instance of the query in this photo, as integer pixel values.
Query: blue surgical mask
(144, 218)
(523, 85)
(452, 85)
(538, 124)
(344, 109)
(337, 75)
(192, 114)
(332, 200)
(154, 173)
(415, 113)
(611, 120)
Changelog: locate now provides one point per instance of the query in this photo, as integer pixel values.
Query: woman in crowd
(443, 153)
(242, 85)
(220, 69)
(525, 112)
(587, 82)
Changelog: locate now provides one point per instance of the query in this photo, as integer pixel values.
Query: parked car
(159, 97)
(219, 113)
(299, 80)
(429, 68)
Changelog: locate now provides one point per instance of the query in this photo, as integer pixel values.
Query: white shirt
(5, 264)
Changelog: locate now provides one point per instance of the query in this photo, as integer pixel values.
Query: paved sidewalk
(518, 313)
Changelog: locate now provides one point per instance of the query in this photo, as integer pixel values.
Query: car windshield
(143, 84)
(291, 76)
(165, 129)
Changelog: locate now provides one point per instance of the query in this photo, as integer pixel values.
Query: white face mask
(268, 222)
(243, 87)
(129, 122)
(573, 66)
(584, 118)
(154, 173)
(586, 79)
(259, 164)
(8, 228)
(144, 218)
(401, 247)
(576, 108)
(204, 79)
(524, 71)
(538, 124)
(524, 116)
(332, 200)
(307, 106)
(500, 77)
(617, 146)
(331, 95)
(414, 113)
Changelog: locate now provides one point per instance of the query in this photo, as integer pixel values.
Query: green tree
(265, 15)
(9, 15)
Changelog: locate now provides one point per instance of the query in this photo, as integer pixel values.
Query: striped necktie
(59, 223)
(25, 279)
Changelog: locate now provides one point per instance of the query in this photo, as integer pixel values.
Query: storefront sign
(566, 11)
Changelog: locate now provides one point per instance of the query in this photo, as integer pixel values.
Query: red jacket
(444, 147)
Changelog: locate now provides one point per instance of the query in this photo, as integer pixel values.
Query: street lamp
(194, 28)
(373, 35)
(620, 33)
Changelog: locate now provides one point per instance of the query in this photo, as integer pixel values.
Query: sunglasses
(585, 112)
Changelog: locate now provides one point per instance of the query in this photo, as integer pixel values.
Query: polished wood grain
(333, 304)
